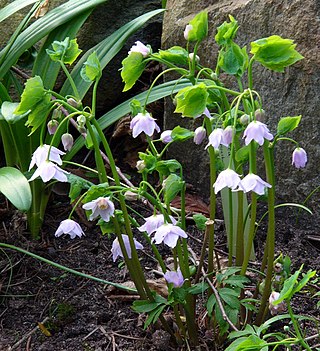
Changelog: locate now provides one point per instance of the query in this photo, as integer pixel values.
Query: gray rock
(289, 94)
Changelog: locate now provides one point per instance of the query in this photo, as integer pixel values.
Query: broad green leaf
(96, 191)
(212, 301)
(242, 155)
(304, 281)
(248, 330)
(33, 93)
(77, 184)
(149, 160)
(143, 306)
(166, 167)
(135, 106)
(252, 343)
(7, 112)
(275, 53)
(65, 51)
(14, 7)
(192, 101)
(132, 68)
(288, 287)
(154, 315)
(39, 113)
(176, 55)
(287, 124)
(91, 69)
(198, 288)
(200, 221)
(226, 32)
(233, 60)
(181, 134)
(173, 184)
(15, 187)
(230, 297)
(236, 281)
(199, 27)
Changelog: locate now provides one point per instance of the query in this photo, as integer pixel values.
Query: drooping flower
(257, 131)
(41, 154)
(49, 170)
(276, 309)
(187, 30)
(166, 136)
(67, 141)
(174, 277)
(199, 135)
(227, 136)
(102, 206)
(141, 48)
(143, 122)
(116, 249)
(216, 138)
(52, 126)
(153, 222)
(227, 178)
(299, 157)
(169, 234)
(252, 182)
(68, 226)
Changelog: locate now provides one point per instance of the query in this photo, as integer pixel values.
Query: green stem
(250, 83)
(230, 243)
(71, 81)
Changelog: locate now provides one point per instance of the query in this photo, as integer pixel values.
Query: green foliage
(65, 51)
(200, 221)
(226, 32)
(166, 167)
(91, 70)
(77, 184)
(199, 27)
(233, 60)
(275, 53)
(173, 184)
(181, 134)
(176, 55)
(7, 112)
(132, 68)
(288, 124)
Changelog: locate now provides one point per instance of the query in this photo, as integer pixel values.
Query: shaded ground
(84, 315)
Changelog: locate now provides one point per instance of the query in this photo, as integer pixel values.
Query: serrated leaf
(143, 306)
(173, 184)
(198, 288)
(176, 55)
(192, 101)
(227, 31)
(77, 184)
(149, 160)
(91, 69)
(96, 191)
(236, 281)
(287, 124)
(7, 112)
(39, 113)
(153, 316)
(199, 27)
(15, 187)
(230, 297)
(167, 167)
(181, 134)
(275, 53)
(132, 68)
(233, 60)
(200, 221)
(66, 51)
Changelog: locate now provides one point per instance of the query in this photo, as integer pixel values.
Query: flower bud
(67, 141)
(275, 309)
(166, 136)
(278, 267)
(56, 113)
(244, 120)
(131, 196)
(141, 165)
(74, 103)
(81, 120)
(227, 135)
(191, 56)
(299, 157)
(187, 30)
(199, 135)
(260, 115)
(52, 126)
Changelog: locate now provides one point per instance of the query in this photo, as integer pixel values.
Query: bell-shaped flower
(216, 138)
(276, 309)
(199, 135)
(153, 222)
(52, 126)
(141, 48)
(143, 122)
(252, 182)
(299, 157)
(227, 136)
(227, 178)
(68, 226)
(116, 248)
(166, 136)
(102, 206)
(41, 154)
(187, 30)
(67, 141)
(174, 277)
(169, 234)
(256, 131)
(49, 170)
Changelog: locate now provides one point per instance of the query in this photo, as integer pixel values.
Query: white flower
(143, 122)
(275, 309)
(252, 182)
(41, 154)
(257, 131)
(141, 48)
(49, 170)
(169, 235)
(227, 178)
(102, 206)
(68, 226)
(227, 136)
(116, 249)
(153, 223)
(216, 139)
(67, 141)
(187, 30)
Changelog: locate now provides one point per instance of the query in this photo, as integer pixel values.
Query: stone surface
(292, 93)
(105, 20)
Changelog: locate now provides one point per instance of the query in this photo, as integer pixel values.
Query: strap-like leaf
(14, 7)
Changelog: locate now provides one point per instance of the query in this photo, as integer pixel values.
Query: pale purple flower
(141, 48)
(227, 178)
(67, 141)
(275, 309)
(169, 234)
(227, 136)
(102, 206)
(116, 249)
(299, 157)
(206, 112)
(187, 30)
(199, 135)
(166, 136)
(68, 226)
(41, 154)
(257, 131)
(49, 170)
(52, 126)
(153, 222)
(174, 277)
(252, 182)
(216, 138)
(143, 122)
